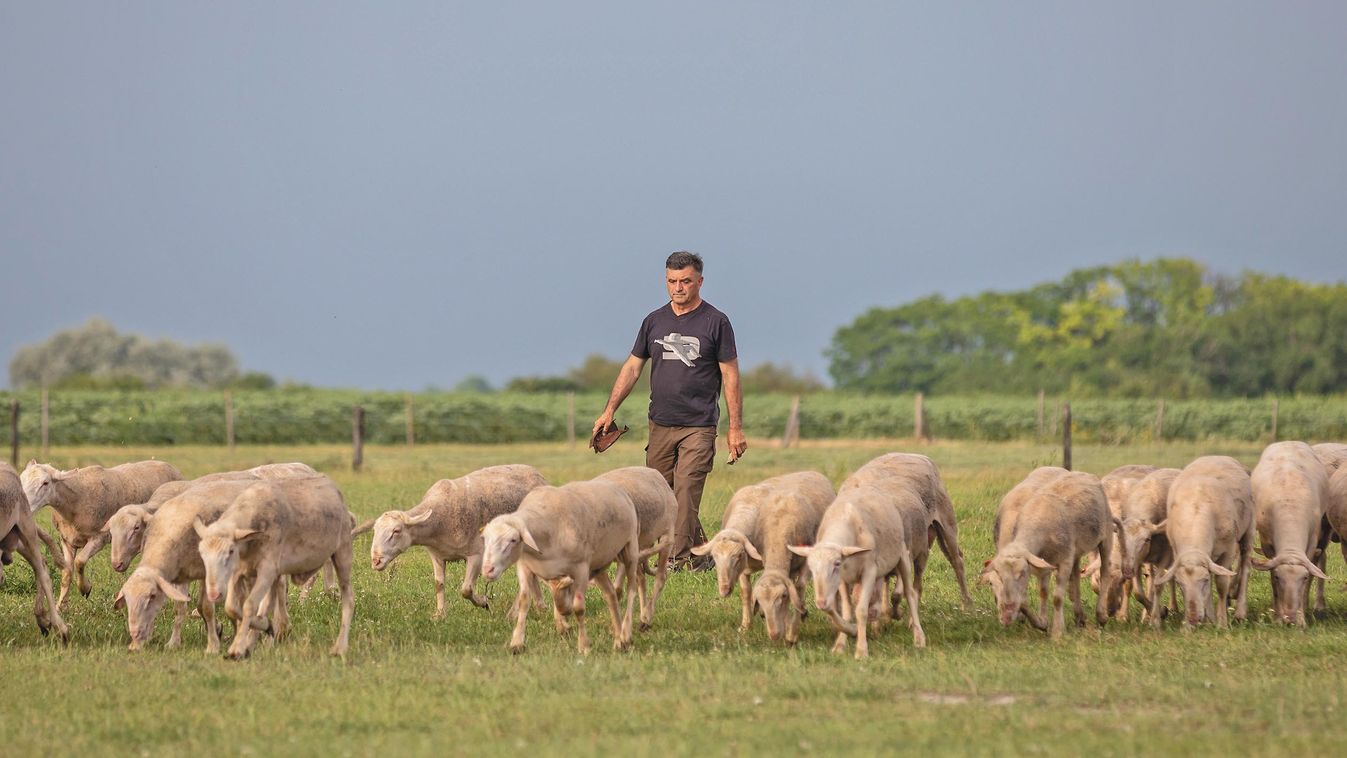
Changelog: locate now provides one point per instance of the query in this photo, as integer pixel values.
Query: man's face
(685, 285)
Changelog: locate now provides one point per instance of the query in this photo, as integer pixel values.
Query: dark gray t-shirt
(685, 372)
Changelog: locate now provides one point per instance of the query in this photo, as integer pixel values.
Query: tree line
(1163, 328)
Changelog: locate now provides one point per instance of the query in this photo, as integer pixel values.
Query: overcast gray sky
(394, 195)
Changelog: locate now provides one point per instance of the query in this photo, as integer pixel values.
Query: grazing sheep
(1118, 484)
(1210, 526)
(1066, 519)
(171, 562)
(1332, 454)
(1290, 495)
(861, 541)
(449, 521)
(275, 528)
(918, 472)
(1141, 539)
(1008, 513)
(82, 501)
(655, 511)
(1337, 506)
(568, 536)
(16, 522)
(760, 522)
(125, 530)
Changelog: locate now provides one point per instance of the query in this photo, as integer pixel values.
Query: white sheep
(16, 522)
(760, 522)
(1063, 521)
(273, 529)
(1210, 526)
(861, 541)
(1290, 495)
(82, 501)
(656, 508)
(1141, 541)
(567, 535)
(449, 521)
(919, 472)
(171, 562)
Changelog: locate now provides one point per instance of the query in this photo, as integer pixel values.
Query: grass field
(412, 685)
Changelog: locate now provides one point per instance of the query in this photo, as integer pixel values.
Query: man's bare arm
(734, 406)
(626, 380)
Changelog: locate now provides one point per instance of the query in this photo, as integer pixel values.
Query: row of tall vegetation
(1164, 328)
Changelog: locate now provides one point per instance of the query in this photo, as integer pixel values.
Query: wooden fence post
(358, 438)
(1066, 436)
(570, 418)
(46, 425)
(792, 435)
(919, 417)
(1040, 414)
(1275, 404)
(14, 432)
(1160, 421)
(229, 420)
(411, 425)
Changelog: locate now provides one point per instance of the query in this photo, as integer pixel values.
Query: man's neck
(680, 310)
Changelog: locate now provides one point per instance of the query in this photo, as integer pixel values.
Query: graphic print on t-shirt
(681, 348)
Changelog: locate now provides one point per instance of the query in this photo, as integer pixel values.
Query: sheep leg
(907, 571)
(1078, 610)
(661, 576)
(45, 608)
(342, 562)
(280, 609)
(948, 538)
(1320, 606)
(609, 593)
(1043, 596)
(862, 609)
(244, 633)
(472, 570)
(1064, 576)
(1223, 601)
(579, 581)
(1242, 576)
(179, 616)
(746, 596)
(521, 607)
(844, 622)
(437, 567)
(207, 610)
(67, 573)
(86, 554)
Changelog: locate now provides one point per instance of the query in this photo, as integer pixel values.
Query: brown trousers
(684, 455)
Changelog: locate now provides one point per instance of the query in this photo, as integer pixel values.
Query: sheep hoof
(517, 649)
(645, 626)
(43, 628)
(437, 616)
(86, 591)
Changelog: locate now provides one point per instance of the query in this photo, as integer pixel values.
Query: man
(692, 344)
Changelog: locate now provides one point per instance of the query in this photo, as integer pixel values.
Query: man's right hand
(601, 423)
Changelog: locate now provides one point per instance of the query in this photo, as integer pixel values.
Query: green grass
(414, 685)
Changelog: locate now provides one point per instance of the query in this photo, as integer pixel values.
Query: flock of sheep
(245, 535)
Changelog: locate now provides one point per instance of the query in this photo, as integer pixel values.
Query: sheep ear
(1314, 571)
(703, 548)
(199, 527)
(801, 550)
(1117, 524)
(119, 602)
(416, 519)
(172, 591)
(1090, 569)
(752, 551)
(1167, 576)
(1218, 569)
(1264, 565)
(1160, 527)
(243, 535)
(528, 539)
(1038, 563)
(795, 600)
(851, 550)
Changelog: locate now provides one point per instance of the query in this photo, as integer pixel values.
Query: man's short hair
(683, 259)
